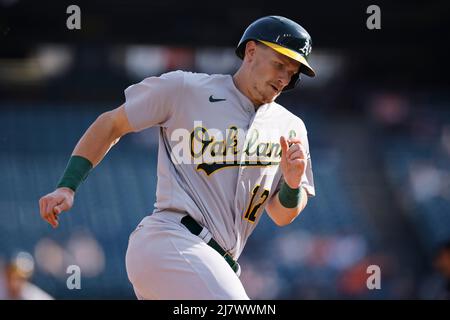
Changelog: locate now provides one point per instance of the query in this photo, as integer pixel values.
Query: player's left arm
(292, 198)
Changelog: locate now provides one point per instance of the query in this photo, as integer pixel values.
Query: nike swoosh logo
(212, 99)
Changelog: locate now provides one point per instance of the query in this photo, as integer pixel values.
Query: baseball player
(227, 151)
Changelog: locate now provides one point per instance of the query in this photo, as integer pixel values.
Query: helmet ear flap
(295, 80)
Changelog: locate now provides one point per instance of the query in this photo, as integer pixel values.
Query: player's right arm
(104, 133)
(98, 139)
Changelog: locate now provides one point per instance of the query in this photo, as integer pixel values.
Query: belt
(196, 229)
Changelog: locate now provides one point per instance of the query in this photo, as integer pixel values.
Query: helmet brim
(304, 65)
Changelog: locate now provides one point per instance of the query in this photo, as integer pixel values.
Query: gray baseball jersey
(218, 157)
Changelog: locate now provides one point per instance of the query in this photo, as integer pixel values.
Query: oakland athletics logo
(306, 50)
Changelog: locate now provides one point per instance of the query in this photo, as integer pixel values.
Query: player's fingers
(294, 140)
(295, 148)
(298, 154)
(41, 207)
(63, 206)
(290, 151)
(51, 219)
(297, 162)
(284, 147)
(51, 203)
(55, 222)
(44, 203)
(57, 210)
(49, 214)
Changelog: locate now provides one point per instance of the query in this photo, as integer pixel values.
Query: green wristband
(77, 170)
(289, 198)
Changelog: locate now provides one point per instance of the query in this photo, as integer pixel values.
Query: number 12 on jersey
(255, 203)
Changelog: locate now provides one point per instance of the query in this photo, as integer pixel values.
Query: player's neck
(240, 81)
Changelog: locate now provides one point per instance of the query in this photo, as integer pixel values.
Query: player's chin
(271, 97)
(273, 93)
(268, 95)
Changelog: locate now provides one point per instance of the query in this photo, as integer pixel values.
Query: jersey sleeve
(308, 178)
(154, 100)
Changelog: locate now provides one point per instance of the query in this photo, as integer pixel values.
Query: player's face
(270, 73)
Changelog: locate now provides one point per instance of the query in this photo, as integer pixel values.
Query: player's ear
(250, 49)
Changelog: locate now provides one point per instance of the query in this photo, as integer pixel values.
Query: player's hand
(52, 204)
(293, 161)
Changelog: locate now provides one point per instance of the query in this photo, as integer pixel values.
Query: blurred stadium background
(378, 116)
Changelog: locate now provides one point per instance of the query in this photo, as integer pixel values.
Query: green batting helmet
(284, 36)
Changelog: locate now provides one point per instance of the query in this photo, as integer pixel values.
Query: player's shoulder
(197, 79)
(168, 79)
(194, 79)
(287, 116)
(173, 75)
